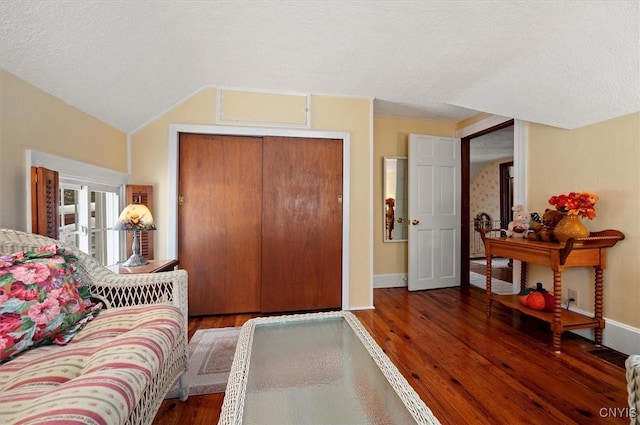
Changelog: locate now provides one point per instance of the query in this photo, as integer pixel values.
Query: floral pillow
(41, 300)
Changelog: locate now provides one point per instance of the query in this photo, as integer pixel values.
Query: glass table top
(318, 371)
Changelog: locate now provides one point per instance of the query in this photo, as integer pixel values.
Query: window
(86, 220)
(90, 201)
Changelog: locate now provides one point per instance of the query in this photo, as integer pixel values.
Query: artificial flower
(576, 203)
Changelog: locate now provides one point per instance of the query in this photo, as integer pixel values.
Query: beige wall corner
(33, 119)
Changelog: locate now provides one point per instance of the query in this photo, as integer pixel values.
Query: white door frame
(174, 140)
(520, 146)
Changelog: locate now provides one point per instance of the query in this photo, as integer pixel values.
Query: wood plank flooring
(467, 369)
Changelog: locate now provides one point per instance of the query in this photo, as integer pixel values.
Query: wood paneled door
(220, 222)
(260, 223)
(302, 224)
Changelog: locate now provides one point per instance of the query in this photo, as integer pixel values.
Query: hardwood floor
(467, 369)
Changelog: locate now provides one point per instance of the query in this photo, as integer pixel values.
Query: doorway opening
(487, 198)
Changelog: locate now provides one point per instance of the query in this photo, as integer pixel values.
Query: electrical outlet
(573, 294)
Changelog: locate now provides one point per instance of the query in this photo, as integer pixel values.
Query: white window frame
(62, 213)
(88, 178)
(88, 227)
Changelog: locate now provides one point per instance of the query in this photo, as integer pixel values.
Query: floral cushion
(41, 300)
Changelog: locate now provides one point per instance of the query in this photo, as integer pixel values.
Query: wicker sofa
(118, 368)
(633, 387)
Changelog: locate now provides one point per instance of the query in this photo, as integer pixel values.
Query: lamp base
(135, 260)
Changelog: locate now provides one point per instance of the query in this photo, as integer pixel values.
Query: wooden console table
(586, 252)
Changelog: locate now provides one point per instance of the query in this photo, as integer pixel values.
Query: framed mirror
(394, 191)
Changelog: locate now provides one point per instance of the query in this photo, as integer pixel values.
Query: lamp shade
(135, 217)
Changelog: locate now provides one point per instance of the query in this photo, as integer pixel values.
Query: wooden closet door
(301, 224)
(219, 222)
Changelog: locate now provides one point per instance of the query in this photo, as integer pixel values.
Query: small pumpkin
(535, 300)
(522, 296)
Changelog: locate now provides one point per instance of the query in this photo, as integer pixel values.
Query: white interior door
(434, 212)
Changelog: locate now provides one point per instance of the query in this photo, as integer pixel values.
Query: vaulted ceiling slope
(560, 63)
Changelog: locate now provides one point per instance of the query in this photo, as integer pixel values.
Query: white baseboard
(616, 335)
(390, 281)
(361, 308)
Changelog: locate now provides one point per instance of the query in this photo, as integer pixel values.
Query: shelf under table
(568, 319)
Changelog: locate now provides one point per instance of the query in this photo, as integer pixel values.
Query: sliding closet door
(301, 224)
(219, 222)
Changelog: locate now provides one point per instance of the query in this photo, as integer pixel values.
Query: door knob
(415, 222)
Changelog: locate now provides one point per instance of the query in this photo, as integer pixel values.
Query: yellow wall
(391, 137)
(33, 119)
(352, 115)
(601, 158)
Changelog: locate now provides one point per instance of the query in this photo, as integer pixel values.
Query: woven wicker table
(318, 368)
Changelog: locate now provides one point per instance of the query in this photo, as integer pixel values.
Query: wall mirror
(395, 221)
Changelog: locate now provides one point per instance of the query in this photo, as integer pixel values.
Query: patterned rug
(210, 357)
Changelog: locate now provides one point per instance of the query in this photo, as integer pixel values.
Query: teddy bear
(519, 226)
(536, 222)
(549, 220)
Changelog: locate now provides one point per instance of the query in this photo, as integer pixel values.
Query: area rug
(210, 357)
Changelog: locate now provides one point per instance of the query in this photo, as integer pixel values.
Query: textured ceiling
(565, 64)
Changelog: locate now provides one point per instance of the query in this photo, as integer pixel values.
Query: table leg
(598, 304)
(487, 293)
(556, 326)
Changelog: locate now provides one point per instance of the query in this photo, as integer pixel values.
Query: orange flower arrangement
(576, 203)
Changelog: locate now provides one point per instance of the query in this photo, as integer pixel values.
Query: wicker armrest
(116, 290)
(633, 387)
